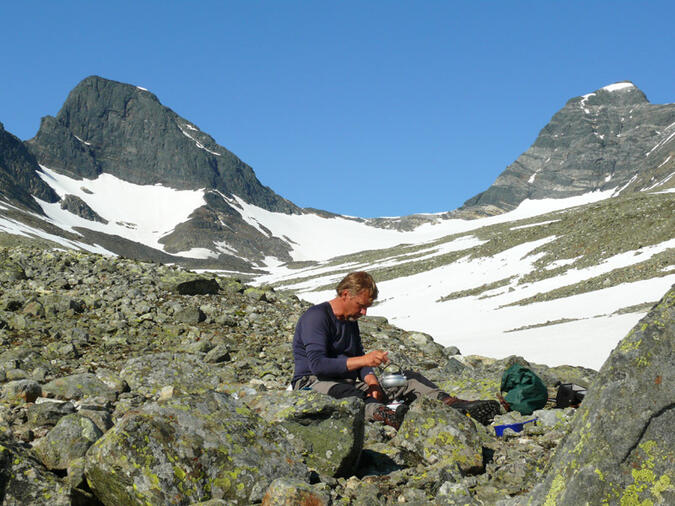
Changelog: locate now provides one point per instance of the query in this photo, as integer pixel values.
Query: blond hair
(356, 282)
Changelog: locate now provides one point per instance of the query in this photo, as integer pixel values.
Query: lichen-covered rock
(26, 390)
(70, 439)
(330, 430)
(621, 448)
(148, 374)
(24, 481)
(48, 412)
(112, 380)
(78, 386)
(101, 418)
(188, 449)
(434, 433)
(286, 491)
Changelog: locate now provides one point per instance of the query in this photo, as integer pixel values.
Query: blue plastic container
(517, 427)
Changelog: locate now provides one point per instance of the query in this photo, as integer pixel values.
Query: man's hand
(376, 357)
(371, 359)
(374, 389)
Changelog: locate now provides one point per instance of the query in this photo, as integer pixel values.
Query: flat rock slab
(148, 374)
(331, 430)
(189, 449)
(78, 386)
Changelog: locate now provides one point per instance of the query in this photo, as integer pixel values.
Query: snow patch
(83, 142)
(140, 213)
(618, 86)
(534, 224)
(197, 143)
(319, 239)
(561, 263)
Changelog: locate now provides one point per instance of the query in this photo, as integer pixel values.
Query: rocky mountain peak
(124, 130)
(95, 96)
(623, 93)
(596, 142)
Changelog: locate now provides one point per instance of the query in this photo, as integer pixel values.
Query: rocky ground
(125, 382)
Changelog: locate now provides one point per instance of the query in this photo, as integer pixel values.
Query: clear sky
(367, 108)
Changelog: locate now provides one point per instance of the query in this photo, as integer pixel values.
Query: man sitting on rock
(329, 358)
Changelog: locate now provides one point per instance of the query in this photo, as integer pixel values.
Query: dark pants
(416, 386)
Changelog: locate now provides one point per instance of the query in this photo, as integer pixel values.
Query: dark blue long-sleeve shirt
(322, 344)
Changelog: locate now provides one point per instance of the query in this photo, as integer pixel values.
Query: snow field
(139, 213)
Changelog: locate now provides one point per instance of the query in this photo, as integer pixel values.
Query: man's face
(355, 306)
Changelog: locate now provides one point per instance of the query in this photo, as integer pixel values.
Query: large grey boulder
(68, 440)
(188, 283)
(621, 448)
(330, 430)
(48, 413)
(148, 374)
(188, 449)
(433, 433)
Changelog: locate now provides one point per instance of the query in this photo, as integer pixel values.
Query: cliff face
(123, 130)
(599, 141)
(18, 178)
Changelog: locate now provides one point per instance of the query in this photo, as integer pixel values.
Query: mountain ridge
(108, 127)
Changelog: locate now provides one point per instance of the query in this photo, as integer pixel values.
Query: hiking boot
(389, 416)
(482, 411)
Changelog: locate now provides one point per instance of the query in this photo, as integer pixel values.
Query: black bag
(569, 394)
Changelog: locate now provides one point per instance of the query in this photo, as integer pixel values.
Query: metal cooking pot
(395, 378)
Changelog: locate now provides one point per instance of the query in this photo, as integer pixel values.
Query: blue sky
(367, 108)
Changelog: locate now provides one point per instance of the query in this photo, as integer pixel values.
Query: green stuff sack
(525, 390)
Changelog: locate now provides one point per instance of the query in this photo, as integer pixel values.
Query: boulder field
(125, 383)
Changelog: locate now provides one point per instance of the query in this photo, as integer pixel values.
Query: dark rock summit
(109, 127)
(123, 130)
(599, 141)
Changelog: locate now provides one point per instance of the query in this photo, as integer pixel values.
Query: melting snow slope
(139, 213)
(578, 330)
(316, 238)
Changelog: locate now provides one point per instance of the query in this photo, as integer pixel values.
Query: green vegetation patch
(655, 267)
(478, 290)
